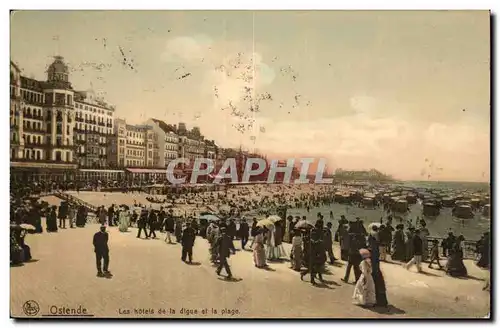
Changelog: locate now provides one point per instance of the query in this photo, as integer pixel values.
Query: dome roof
(58, 66)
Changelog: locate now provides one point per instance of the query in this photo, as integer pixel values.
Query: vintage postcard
(250, 164)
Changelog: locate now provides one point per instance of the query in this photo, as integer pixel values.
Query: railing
(469, 248)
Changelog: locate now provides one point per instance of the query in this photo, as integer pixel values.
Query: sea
(471, 229)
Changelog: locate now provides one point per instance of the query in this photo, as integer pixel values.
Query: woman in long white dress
(273, 252)
(364, 292)
(124, 220)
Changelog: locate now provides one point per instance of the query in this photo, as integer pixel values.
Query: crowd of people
(311, 242)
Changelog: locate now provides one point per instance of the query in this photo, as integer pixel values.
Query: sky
(406, 93)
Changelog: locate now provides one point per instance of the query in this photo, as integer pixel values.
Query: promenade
(148, 276)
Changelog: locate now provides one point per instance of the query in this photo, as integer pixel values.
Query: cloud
(186, 49)
(391, 144)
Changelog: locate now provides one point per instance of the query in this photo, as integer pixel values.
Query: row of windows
(34, 154)
(92, 151)
(135, 163)
(93, 128)
(93, 109)
(98, 119)
(132, 152)
(171, 155)
(33, 97)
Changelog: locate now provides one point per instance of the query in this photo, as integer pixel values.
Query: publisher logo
(31, 308)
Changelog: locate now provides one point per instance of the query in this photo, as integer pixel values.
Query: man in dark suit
(169, 227)
(354, 258)
(141, 224)
(224, 246)
(62, 214)
(153, 222)
(328, 242)
(101, 250)
(244, 232)
(187, 240)
(111, 213)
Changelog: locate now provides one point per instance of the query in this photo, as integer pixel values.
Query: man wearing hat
(417, 252)
(101, 250)
(224, 246)
(187, 239)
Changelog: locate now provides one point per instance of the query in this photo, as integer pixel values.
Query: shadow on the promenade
(469, 277)
(193, 263)
(268, 268)
(16, 265)
(389, 310)
(32, 261)
(23, 263)
(427, 273)
(226, 279)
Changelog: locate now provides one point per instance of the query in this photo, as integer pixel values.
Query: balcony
(101, 124)
(79, 119)
(32, 144)
(35, 130)
(60, 145)
(80, 142)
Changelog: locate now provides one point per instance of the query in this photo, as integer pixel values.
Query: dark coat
(224, 245)
(170, 224)
(188, 237)
(101, 242)
(244, 229)
(417, 245)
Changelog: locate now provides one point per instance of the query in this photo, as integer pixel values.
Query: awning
(147, 171)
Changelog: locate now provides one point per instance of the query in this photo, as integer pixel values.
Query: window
(38, 155)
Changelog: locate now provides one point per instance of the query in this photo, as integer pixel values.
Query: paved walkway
(148, 275)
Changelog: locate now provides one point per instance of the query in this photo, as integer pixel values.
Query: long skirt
(296, 258)
(27, 253)
(275, 252)
(259, 256)
(364, 292)
(380, 291)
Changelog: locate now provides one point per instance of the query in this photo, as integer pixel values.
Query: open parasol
(303, 224)
(265, 223)
(210, 217)
(373, 224)
(274, 218)
(26, 226)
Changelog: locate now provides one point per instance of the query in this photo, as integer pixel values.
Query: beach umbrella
(274, 218)
(303, 224)
(26, 226)
(265, 223)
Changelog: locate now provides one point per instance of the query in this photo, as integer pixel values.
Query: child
(435, 254)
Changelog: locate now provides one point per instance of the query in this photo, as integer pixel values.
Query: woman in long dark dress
(16, 251)
(20, 234)
(52, 220)
(378, 278)
(398, 244)
(455, 265)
